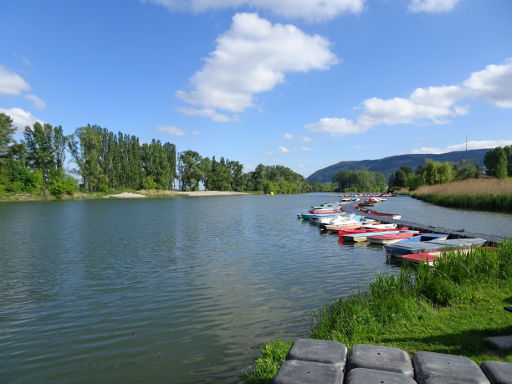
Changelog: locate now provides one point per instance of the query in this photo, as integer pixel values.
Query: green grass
(483, 202)
(450, 308)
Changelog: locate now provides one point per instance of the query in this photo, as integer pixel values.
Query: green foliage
(466, 170)
(498, 162)
(448, 308)
(272, 356)
(45, 146)
(7, 130)
(483, 202)
(389, 165)
(149, 183)
(61, 184)
(359, 181)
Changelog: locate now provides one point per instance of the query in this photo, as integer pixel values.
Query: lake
(182, 290)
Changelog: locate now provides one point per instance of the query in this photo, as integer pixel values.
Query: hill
(389, 165)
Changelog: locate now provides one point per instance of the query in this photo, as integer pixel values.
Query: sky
(299, 83)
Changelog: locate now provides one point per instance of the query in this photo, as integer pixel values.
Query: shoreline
(141, 194)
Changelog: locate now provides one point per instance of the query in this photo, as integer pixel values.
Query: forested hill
(389, 165)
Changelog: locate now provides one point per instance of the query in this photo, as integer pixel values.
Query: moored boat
(389, 239)
(395, 216)
(360, 237)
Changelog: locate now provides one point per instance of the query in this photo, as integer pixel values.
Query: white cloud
(283, 149)
(40, 104)
(249, 167)
(197, 133)
(288, 136)
(209, 113)
(433, 104)
(335, 126)
(11, 83)
(494, 83)
(20, 118)
(251, 58)
(306, 139)
(172, 130)
(311, 10)
(482, 144)
(304, 149)
(432, 6)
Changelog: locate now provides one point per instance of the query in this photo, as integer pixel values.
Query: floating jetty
(453, 233)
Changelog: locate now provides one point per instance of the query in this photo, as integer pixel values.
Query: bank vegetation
(488, 194)
(450, 308)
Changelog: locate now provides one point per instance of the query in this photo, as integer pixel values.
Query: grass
(450, 308)
(481, 194)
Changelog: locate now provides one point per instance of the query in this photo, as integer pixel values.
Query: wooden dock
(453, 233)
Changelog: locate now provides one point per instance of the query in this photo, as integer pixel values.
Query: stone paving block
(372, 376)
(380, 358)
(320, 351)
(502, 342)
(308, 372)
(431, 367)
(498, 372)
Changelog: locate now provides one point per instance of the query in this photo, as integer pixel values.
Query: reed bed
(449, 308)
(481, 194)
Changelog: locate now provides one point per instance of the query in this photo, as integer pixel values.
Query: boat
(395, 216)
(367, 203)
(343, 232)
(380, 226)
(389, 239)
(410, 246)
(359, 237)
(430, 257)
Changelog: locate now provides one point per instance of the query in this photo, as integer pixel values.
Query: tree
(45, 149)
(190, 173)
(501, 164)
(7, 130)
(85, 147)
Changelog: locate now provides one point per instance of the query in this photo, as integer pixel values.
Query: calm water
(173, 291)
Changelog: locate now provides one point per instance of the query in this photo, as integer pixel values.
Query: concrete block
(502, 342)
(498, 372)
(320, 351)
(308, 372)
(371, 376)
(431, 367)
(380, 358)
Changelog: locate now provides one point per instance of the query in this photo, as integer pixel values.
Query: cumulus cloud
(288, 136)
(432, 6)
(306, 139)
(11, 83)
(494, 83)
(251, 58)
(432, 105)
(482, 144)
(283, 149)
(20, 118)
(335, 126)
(311, 10)
(172, 130)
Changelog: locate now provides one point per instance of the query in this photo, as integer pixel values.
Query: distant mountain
(389, 165)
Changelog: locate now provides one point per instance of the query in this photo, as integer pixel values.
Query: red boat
(396, 216)
(343, 232)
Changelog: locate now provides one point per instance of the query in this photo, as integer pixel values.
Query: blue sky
(301, 83)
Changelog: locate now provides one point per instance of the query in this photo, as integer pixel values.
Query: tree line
(107, 161)
(228, 175)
